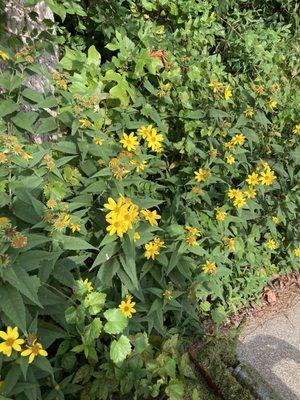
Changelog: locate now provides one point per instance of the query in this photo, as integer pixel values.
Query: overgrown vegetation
(168, 195)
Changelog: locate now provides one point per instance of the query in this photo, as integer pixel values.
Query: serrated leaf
(116, 321)
(175, 389)
(120, 349)
(75, 243)
(92, 331)
(94, 302)
(25, 120)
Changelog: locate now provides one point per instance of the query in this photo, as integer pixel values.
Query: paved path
(273, 348)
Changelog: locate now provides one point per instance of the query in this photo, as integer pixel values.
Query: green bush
(168, 193)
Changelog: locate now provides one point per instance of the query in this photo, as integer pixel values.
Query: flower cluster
(10, 146)
(152, 138)
(220, 88)
(11, 341)
(192, 235)
(122, 214)
(9, 233)
(152, 248)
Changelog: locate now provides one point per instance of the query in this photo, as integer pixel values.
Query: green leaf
(7, 107)
(33, 95)
(120, 349)
(25, 284)
(11, 379)
(11, 303)
(175, 389)
(94, 301)
(106, 253)
(75, 243)
(93, 56)
(141, 342)
(116, 321)
(46, 125)
(25, 120)
(92, 331)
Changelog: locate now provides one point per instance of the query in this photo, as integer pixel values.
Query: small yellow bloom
(232, 193)
(127, 308)
(97, 140)
(213, 153)
(272, 104)
(239, 200)
(220, 215)
(136, 236)
(201, 175)
(18, 241)
(75, 227)
(4, 56)
(3, 222)
(267, 177)
(250, 193)
(209, 267)
(230, 159)
(253, 179)
(227, 93)
(3, 158)
(152, 248)
(84, 122)
(87, 284)
(249, 112)
(191, 240)
(33, 351)
(215, 86)
(297, 252)
(150, 216)
(168, 294)
(276, 220)
(192, 230)
(238, 139)
(11, 341)
(271, 244)
(51, 204)
(129, 142)
(296, 130)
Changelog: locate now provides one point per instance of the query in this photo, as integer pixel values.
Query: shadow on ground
(265, 352)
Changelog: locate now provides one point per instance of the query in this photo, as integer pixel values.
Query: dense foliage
(167, 193)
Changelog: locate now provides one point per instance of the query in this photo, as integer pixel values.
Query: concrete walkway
(273, 348)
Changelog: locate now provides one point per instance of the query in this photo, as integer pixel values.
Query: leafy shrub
(172, 179)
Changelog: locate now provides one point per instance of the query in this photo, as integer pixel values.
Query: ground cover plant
(167, 193)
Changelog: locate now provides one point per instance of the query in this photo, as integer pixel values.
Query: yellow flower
(136, 236)
(127, 308)
(239, 200)
(3, 222)
(201, 175)
(297, 252)
(51, 204)
(230, 159)
(25, 155)
(238, 139)
(232, 193)
(276, 220)
(129, 142)
(75, 227)
(11, 341)
(97, 140)
(150, 216)
(215, 86)
(117, 225)
(274, 87)
(220, 215)
(250, 193)
(122, 215)
(230, 245)
(4, 56)
(168, 294)
(249, 112)
(192, 230)
(128, 297)
(152, 248)
(3, 158)
(259, 89)
(84, 122)
(271, 244)
(213, 153)
(145, 131)
(209, 267)
(272, 104)
(267, 177)
(33, 351)
(296, 129)
(191, 240)
(154, 140)
(253, 179)
(87, 284)
(227, 93)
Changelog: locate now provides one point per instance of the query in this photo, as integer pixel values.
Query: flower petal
(43, 353)
(31, 358)
(3, 335)
(26, 352)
